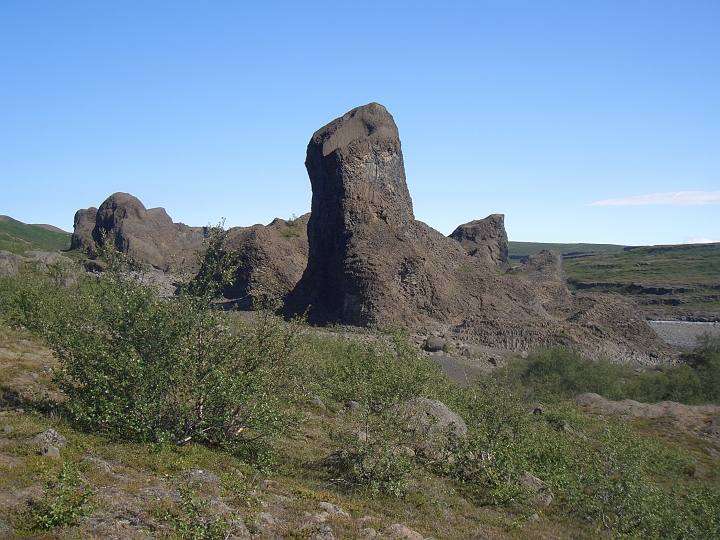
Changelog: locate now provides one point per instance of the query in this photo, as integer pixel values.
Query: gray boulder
(432, 415)
(49, 436)
(9, 263)
(434, 343)
(537, 486)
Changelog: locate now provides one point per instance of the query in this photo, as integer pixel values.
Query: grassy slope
(134, 484)
(523, 249)
(17, 237)
(685, 265)
(669, 281)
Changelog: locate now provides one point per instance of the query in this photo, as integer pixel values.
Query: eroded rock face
(273, 258)
(485, 239)
(371, 263)
(83, 226)
(148, 235)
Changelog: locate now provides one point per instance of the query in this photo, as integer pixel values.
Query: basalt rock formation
(273, 257)
(371, 263)
(83, 226)
(149, 235)
(485, 239)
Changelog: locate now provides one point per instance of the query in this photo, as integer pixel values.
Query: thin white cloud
(689, 240)
(679, 198)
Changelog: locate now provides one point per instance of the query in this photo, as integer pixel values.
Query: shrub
(143, 368)
(376, 453)
(65, 500)
(193, 520)
(372, 375)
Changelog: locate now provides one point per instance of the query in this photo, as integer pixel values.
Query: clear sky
(581, 121)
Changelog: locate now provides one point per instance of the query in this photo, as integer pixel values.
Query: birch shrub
(143, 368)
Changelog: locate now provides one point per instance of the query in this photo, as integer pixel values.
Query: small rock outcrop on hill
(485, 239)
(149, 235)
(83, 226)
(273, 257)
(702, 421)
(371, 263)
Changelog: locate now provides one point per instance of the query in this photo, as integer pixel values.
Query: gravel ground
(681, 335)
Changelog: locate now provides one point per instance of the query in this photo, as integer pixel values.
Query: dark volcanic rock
(150, 236)
(273, 258)
(371, 263)
(485, 239)
(545, 274)
(83, 226)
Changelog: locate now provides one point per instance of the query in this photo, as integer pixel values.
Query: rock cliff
(371, 263)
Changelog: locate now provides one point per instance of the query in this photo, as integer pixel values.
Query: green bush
(376, 452)
(142, 368)
(341, 369)
(193, 520)
(65, 500)
(559, 374)
(705, 360)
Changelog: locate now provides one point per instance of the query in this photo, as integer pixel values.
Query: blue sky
(534, 109)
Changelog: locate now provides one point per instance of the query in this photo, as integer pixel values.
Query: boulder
(432, 416)
(399, 531)
(538, 487)
(50, 451)
(49, 436)
(434, 343)
(9, 263)
(485, 239)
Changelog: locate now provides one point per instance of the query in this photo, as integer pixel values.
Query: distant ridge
(47, 227)
(521, 250)
(18, 237)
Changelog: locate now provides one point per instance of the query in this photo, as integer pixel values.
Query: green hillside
(684, 265)
(520, 250)
(17, 237)
(684, 279)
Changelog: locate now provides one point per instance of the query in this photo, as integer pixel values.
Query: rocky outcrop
(485, 239)
(83, 226)
(149, 235)
(371, 263)
(702, 421)
(273, 258)
(361, 258)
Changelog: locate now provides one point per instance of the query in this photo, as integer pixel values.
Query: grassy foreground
(183, 422)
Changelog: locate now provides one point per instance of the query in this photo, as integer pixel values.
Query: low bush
(558, 374)
(139, 367)
(373, 375)
(65, 500)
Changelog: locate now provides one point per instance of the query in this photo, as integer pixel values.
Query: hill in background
(19, 238)
(519, 251)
